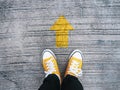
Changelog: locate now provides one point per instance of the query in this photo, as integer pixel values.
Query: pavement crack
(5, 76)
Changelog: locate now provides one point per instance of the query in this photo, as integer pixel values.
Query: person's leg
(52, 77)
(71, 83)
(51, 82)
(73, 71)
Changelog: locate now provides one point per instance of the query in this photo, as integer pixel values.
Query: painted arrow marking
(61, 26)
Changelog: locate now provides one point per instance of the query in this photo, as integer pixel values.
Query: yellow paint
(61, 26)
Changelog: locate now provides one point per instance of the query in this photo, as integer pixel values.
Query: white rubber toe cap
(47, 55)
(77, 55)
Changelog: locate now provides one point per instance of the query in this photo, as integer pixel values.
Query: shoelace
(74, 68)
(50, 67)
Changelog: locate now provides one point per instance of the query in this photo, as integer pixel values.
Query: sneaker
(49, 63)
(74, 67)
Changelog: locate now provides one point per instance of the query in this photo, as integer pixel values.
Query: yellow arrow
(61, 26)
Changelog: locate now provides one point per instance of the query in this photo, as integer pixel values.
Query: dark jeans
(52, 82)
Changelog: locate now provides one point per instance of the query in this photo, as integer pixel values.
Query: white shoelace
(50, 67)
(74, 68)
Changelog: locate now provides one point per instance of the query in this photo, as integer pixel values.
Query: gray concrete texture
(24, 34)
